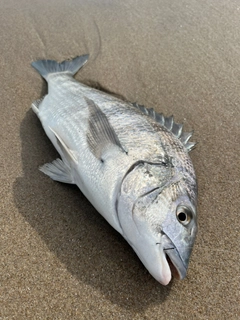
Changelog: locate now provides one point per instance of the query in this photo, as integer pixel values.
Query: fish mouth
(174, 260)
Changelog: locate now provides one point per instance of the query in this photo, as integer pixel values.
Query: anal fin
(58, 171)
(67, 152)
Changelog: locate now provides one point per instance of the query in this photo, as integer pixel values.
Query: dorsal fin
(168, 122)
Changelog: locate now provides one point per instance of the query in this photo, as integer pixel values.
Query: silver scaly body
(130, 162)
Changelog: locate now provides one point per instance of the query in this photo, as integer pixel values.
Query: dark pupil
(182, 216)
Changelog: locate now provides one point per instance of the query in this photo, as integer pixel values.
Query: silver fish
(130, 162)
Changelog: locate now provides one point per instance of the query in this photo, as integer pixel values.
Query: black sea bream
(130, 162)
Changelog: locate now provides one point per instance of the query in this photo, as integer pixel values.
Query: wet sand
(59, 258)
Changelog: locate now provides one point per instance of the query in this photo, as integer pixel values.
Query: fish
(129, 161)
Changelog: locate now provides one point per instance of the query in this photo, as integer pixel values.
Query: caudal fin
(71, 67)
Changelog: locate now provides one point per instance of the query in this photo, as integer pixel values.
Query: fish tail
(71, 67)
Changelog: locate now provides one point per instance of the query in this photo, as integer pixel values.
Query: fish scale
(129, 161)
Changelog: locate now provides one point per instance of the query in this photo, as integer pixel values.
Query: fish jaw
(149, 247)
(158, 265)
(153, 257)
(161, 259)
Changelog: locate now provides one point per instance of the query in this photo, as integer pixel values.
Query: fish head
(161, 223)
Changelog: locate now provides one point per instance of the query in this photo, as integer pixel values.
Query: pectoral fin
(101, 135)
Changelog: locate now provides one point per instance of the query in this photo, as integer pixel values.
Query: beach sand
(59, 258)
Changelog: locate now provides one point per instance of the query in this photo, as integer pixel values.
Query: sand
(59, 258)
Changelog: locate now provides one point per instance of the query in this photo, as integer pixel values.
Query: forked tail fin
(71, 67)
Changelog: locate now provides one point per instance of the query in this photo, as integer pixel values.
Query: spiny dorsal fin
(100, 132)
(168, 122)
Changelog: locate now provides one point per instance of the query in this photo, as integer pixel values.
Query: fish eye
(184, 215)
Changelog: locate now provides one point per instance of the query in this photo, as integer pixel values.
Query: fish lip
(177, 267)
(175, 262)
